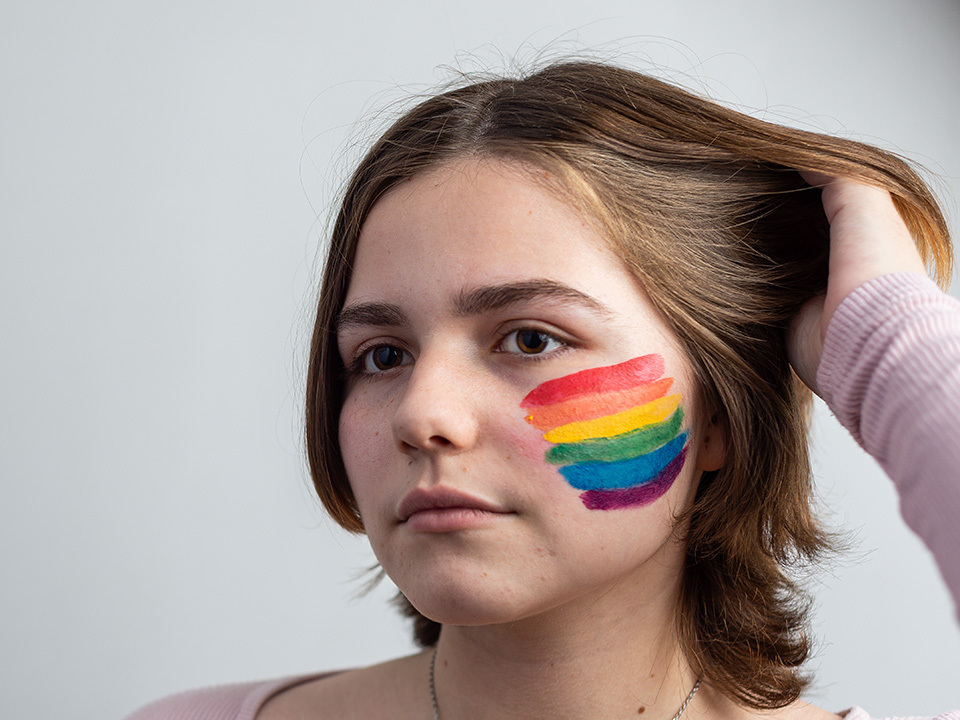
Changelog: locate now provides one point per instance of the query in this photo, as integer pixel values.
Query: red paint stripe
(637, 371)
(597, 406)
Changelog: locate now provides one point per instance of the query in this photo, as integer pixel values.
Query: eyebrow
(473, 302)
(497, 297)
(370, 313)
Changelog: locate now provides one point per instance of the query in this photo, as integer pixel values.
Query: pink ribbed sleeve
(224, 702)
(890, 372)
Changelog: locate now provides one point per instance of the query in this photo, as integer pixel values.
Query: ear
(712, 448)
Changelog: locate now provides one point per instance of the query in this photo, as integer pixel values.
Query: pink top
(890, 372)
(241, 701)
(892, 341)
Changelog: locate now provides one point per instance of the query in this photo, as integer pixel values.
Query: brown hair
(706, 208)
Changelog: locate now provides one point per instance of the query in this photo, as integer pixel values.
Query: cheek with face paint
(615, 431)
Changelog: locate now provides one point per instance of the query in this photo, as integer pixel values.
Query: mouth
(442, 509)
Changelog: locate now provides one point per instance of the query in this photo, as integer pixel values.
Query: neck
(600, 657)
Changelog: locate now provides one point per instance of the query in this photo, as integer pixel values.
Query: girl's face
(520, 427)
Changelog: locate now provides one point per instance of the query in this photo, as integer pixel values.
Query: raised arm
(883, 350)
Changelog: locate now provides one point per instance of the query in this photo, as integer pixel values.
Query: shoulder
(396, 689)
(858, 713)
(240, 701)
(377, 691)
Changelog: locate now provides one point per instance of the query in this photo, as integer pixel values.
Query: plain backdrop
(166, 173)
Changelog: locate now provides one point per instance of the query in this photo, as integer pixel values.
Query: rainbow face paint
(615, 431)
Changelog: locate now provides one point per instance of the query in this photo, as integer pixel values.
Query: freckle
(463, 468)
(446, 663)
(651, 675)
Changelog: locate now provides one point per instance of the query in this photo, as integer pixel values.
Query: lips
(439, 498)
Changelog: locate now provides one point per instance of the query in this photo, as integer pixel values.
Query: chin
(490, 601)
(468, 609)
(471, 602)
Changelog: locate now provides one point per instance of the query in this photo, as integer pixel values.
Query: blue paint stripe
(623, 473)
(639, 495)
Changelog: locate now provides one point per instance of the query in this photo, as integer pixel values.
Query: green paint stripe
(619, 447)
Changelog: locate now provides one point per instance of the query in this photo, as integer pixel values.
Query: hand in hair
(868, 239)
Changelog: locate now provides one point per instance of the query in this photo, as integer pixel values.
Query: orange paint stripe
(596, 406)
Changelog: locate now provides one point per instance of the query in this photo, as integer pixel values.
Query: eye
(383, 357)
(529, 341)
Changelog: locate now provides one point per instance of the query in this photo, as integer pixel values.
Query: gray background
(162, 170)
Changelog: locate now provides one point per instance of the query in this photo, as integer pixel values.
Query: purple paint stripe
(639, 495)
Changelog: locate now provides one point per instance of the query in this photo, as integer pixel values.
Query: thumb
(805, 341)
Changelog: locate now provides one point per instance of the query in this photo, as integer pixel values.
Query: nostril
(433, 442)
(420, 424)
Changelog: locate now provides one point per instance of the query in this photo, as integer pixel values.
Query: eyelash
(357, 367)
(534, 357)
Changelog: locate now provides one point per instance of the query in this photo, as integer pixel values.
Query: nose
(437, 412)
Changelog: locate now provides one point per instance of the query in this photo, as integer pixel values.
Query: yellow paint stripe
(617, 424)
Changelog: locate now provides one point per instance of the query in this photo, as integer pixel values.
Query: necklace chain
(436, 707)
(433, 689)
(696, 686)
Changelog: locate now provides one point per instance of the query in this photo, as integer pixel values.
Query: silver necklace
(436, 707)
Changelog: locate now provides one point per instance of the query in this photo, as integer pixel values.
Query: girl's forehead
(475, 230)
(481, 218)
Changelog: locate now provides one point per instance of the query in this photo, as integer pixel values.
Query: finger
(816, 179)
(805, 341)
